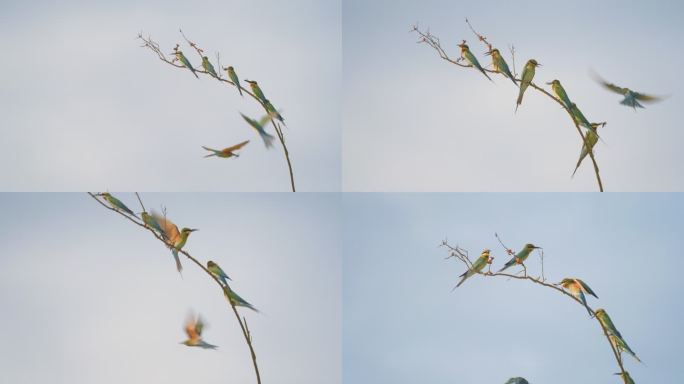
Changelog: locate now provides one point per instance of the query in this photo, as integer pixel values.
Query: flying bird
(256, 90)
(174, 239)
(578, 288)
(217, 272)
(591, 140)
(517, 380)
(226, 152)
(150, 222)
(193, 328)
(206, 64)
(234, 78)
(500, 65)
(236, 300)
(470, 58)
(520, 257)
(613, 334)
(632, 98)
(116, 203)
(259, 127)
(477, 266)
(527, 76)
(184, 60)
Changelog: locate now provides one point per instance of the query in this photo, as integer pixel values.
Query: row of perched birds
(258, 125)
(631, 98)
(576, 287)
(176, 240)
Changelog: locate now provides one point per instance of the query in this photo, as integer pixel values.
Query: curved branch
(154, 47)
(459, 254)
(433, 41)
(243, 323)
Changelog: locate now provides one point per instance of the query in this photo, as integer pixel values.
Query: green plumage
(234, 78)
(527, 76)
(181, 57)
(206, 64)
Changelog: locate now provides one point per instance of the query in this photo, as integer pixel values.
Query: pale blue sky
(416, 123)
(88, 297)
(84, 107)
(403, 325)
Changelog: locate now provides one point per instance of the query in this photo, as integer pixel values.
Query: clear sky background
(403, 325)
(414, 122)
(87, 296)
(84, 107)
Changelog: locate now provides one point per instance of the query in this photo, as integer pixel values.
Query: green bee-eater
(615, 337)
(625, 377)
(517, 380)
(527, 76)
(500, 65)
(181, 57)
(175, 239)
(236, 300)
(193, 328)
(591, 139)
(206, 64)
(560, 93)
(470, 58)
(578, 288)
(217, 272)
(632, 98)
(271, 110)
(520, 257)
(580, 119)
(259, 127)
(226, 152)
(150, 222)
(116, 203)
(477, 266)
(256, 90)
(233, 77)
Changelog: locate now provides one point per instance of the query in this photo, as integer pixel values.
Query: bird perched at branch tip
(476, 268)
(470, 58)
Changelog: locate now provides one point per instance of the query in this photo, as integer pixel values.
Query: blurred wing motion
(193, 328)
(632, 98)
(259, 127)
(517, 380)
(226, 152)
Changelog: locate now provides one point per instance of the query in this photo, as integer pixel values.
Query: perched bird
(259, 127)
(591, 139)
(517, 380)
(632, 98)
(226, 152)
(116, 203)
(206, 64)
(174, 239)
(582, 121)
(236, 300)
(233, 77)
(193, 328)
(217, 271)
(578, 288)
(256, 90)
(181, 57)
(560, 93)
(520, 257)
(500, 65)
(150, 222)
(477, 266)
(615, 337)
(625, 377)
(271, 109)
(527, 76)
(470, 58)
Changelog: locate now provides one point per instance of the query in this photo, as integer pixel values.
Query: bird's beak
(193, 229)
(549, 83)
(487, 53)
(539, 65)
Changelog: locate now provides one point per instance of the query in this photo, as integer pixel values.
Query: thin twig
(154, 47)
(243, 325)
(542, 282)
(433, 41)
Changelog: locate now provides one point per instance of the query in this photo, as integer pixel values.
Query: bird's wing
(586, 287)
(647, 98)
(235, 147)
(267, 118)
(199, 326)
(607, 85)
(190, 329)
(169, 229)
(251, 121)
(210, 149)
